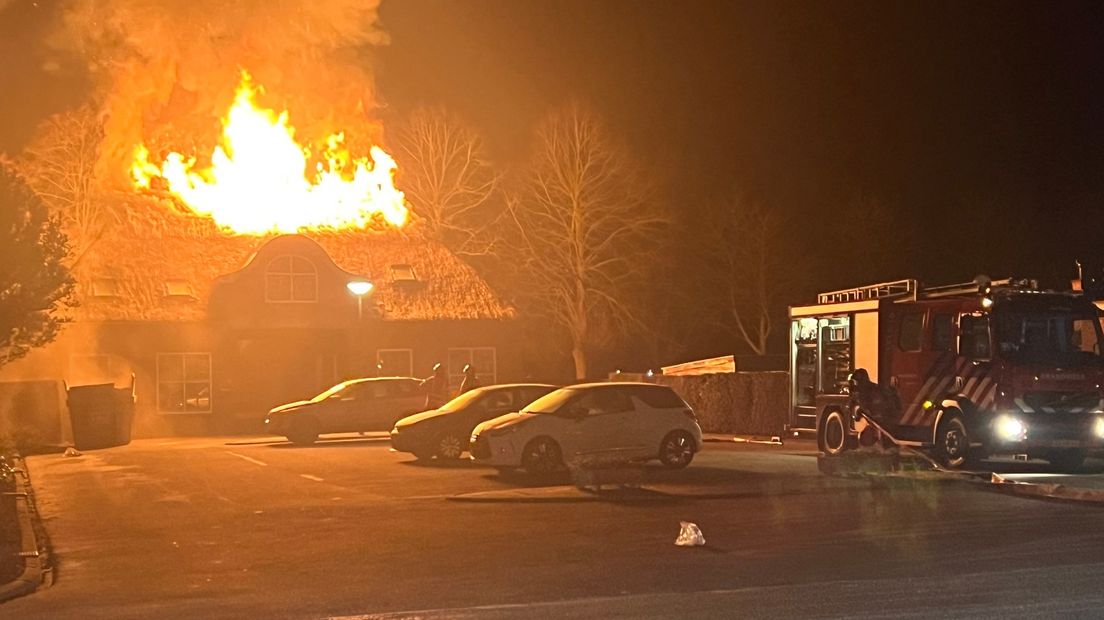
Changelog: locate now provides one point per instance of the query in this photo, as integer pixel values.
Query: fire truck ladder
(965, 288)
(897, 288)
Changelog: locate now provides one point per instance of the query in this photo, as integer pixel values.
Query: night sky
(951, 113)
(977, 124)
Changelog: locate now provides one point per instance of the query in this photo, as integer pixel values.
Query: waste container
(101, 415)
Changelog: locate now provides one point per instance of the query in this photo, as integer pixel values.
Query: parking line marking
(247, 458)
(310, 477)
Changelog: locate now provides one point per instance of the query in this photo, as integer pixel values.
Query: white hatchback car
(629, 421)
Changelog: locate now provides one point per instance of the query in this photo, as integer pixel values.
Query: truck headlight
(1009, 428)
(1098, 427)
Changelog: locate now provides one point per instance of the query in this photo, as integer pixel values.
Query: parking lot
(259, 528)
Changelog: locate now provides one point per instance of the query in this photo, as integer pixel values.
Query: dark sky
(935, 108)
(979, 124)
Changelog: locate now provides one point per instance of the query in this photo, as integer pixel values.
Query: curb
(1052, 491)
(35, 563)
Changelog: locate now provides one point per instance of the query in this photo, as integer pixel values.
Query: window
(604, 400)
(395, 362)
(912, 328)
(973, 337)
(291, 279)
(482, 360)
(659, 397)
(178, 288)
(105, 287)
(942, 332)
(184, 382)
(403, 273)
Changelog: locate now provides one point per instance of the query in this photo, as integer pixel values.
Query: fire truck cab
(964, 371)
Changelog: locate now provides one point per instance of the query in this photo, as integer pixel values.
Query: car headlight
(1009, 428)
(1098, 427)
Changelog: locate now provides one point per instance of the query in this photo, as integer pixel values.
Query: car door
(602, 428)
(409, 397)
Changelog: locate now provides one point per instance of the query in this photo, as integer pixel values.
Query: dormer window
(291, 279)
(403, 273)
(105, 287)
(179, 288)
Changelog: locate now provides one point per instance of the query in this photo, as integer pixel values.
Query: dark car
(357, 405)
(444, 432)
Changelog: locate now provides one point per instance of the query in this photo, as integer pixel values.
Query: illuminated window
(105, 287)
(395, 362)
(291, 279)
(184, 382)
(178, 288)
(482, 360)
(403, 273)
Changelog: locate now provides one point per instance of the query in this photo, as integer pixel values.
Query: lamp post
(359, 288)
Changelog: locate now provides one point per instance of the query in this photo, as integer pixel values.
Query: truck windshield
(1058, 335)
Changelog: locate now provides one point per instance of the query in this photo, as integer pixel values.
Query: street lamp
(360, 288)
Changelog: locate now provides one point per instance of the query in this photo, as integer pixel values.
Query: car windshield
(463, 400)
(1058, 335)
(330, 392)
(551, 402)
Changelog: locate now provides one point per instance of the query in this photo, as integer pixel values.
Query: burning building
(261, 273)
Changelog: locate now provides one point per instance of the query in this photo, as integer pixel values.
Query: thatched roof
(152, 255)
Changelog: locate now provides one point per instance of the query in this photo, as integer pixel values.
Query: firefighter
(470, 381)
(438, 386)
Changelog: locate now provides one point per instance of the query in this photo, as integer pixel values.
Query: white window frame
(456, 375)
(209, 382)
(290, 274)
(409, 359)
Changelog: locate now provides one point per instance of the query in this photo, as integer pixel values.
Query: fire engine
(962, 372)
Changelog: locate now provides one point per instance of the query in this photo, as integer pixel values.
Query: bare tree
(60, 165)
(747, 268)
(447, 179)
(585, 222)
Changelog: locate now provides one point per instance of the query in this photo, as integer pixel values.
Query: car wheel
(304, 431)
(952, 443)
(449, 447)
(833, 433)
(542, 456)
(677, 450)
(1067, 460)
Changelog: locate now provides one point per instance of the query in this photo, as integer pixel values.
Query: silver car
(611, 421)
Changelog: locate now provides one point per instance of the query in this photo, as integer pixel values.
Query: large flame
(258, 180)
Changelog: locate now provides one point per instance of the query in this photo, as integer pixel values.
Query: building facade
(214, 330)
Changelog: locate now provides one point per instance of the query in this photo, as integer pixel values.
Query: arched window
(291, 279)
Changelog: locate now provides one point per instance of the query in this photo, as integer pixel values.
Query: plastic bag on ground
(689, 535)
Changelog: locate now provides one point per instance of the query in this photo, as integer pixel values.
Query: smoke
(165, 71)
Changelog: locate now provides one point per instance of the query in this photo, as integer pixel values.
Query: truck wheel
(952, 443)
(833, 433)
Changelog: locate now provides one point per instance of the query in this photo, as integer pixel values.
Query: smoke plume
(165, 71)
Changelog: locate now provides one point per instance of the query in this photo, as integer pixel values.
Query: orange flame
(257, 182)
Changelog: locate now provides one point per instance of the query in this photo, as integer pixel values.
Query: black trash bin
(101, 415)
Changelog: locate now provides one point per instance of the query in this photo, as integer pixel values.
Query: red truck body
(968, 371)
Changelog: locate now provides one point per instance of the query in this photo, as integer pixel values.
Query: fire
(258, 181)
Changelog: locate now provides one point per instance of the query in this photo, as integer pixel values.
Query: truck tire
(952, 442)
(832, 433)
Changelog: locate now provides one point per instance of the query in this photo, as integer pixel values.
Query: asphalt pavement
(248, 528)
